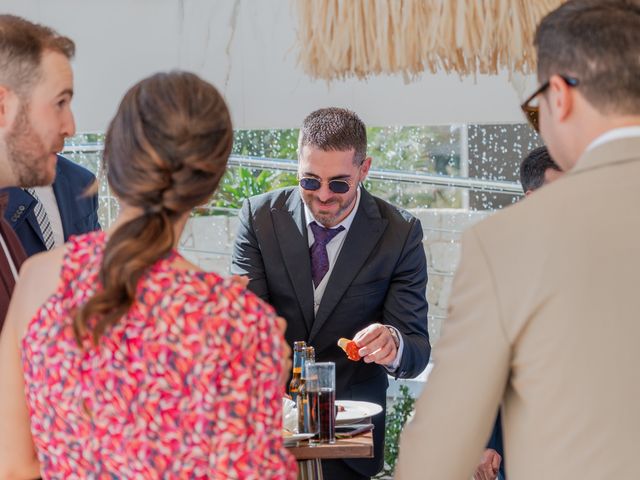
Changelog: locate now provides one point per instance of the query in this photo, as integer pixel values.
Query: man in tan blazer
(545, 310)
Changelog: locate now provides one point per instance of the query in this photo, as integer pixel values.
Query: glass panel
(281, 144)
(416, 149)
(495, 153)
(415, 160)
(86, 149)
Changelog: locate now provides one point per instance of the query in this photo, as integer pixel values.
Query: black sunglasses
(336, 186)
(532, 112)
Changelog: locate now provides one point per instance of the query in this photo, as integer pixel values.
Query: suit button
(21, 208)
(14, 218)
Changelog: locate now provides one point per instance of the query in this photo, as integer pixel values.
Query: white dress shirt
(615, 134)
(333, 250)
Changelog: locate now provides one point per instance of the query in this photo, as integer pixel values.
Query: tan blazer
(545, 318)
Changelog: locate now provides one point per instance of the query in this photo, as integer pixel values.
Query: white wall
(121, 41)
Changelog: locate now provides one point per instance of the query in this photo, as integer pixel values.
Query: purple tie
(319, 256)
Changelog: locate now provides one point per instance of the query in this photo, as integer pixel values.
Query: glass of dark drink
(321, 389)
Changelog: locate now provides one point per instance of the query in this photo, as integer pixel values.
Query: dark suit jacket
(379, 276)
(79, 214)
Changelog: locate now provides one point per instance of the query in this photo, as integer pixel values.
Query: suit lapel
(62, 190)
(20, 209)
(365, 232)
(291, 232)
(33, 221)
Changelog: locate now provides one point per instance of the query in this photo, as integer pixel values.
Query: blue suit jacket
(79, 214)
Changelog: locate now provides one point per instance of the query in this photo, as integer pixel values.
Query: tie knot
(324, 235)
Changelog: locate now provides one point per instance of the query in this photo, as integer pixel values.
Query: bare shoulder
(38, 280)
(42, 268)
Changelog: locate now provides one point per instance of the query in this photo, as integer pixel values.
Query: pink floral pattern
(184, 386)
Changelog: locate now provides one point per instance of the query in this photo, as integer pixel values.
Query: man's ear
(8, 106)
(560, 98)
(364, 168)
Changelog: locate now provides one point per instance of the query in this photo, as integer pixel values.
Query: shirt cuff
(396, 361)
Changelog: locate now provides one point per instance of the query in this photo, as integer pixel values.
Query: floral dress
(184, 386)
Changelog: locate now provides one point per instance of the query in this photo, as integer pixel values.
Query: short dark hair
(334, 129)
(597, 42)
(22, 44)
(533, 167)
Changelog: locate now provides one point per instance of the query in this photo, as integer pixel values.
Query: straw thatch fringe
(344, 38)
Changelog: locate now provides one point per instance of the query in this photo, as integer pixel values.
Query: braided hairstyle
(165, 152)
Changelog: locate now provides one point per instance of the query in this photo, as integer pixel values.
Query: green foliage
(241, 182)
(396, 419)
(94, 138)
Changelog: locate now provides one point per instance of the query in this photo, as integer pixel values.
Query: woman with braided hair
(136, 363)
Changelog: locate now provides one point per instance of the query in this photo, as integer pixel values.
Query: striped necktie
(43, 220)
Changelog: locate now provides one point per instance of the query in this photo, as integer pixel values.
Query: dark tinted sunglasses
(531, 106)
(336, 186)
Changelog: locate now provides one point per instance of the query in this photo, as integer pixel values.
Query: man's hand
(286, 353)
(489, 465)
(376, 344)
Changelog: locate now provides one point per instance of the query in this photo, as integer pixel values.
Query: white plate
(292, 439)
(356, 411)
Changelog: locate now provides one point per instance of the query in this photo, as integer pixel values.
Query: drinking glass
(321, 389)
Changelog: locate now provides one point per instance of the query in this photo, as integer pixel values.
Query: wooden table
(309, 456)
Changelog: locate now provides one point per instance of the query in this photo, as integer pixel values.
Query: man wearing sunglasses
(336, 262)
(543, 315)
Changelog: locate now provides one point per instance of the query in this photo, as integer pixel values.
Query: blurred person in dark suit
(335, 261)
(538, 169)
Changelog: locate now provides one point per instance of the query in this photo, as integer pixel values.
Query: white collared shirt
(333, 250)
(615, 134)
